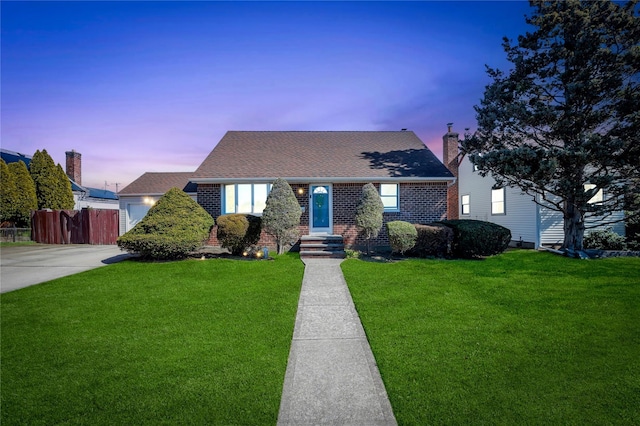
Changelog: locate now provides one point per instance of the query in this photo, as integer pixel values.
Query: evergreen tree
(8, 192)
(281, 215)
(53, 189)
(44, 174)
(369, 213)
(25, 200)
(563, 124)
(174, 227)
(65, 192)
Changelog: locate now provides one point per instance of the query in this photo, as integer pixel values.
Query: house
(531, 225)
(326, 170)
(137, 198)
(83, 196)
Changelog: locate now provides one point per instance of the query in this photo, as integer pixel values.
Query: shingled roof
(331, 155)
(152, 183)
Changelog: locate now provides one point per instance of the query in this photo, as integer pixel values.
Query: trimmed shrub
(433, 240)
(174, 227)
(255, 230)
(476, 238)
(402, 236)
(369, 213)
(281, 215)
(231, 231)
(236, 232)
(604, 239)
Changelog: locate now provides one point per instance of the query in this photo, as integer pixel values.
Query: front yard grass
(190, 342)
(520, 338)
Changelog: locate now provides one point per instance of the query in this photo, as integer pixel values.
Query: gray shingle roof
(152, 183)
(331, 155)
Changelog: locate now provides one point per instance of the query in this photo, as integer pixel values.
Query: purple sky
(153, 86)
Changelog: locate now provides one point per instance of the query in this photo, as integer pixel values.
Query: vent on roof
(404, 130)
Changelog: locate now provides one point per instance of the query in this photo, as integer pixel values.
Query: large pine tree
(563, 123)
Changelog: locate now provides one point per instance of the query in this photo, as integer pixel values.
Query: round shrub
(174, 227)
(231, 231)
(236, 232)
(432, 240)
(604, 239)
(476, 238)
(402, 235)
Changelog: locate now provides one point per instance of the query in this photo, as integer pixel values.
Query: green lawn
(520, 338)
(191, 342)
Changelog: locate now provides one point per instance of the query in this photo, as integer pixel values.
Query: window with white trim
(389, 194)
(464, 203)
(249, 198)
(497, 201)
(598, 197)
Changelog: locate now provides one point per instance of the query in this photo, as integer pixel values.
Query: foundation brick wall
(419, 203)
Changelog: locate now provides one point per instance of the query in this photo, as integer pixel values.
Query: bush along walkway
(331, 376)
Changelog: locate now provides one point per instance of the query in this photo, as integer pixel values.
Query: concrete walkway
(332, 377)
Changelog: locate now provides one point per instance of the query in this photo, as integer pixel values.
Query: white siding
(129, 204)
(551, 226)
(617, 227)
(523, 217)
(520, 211)
(82, 202)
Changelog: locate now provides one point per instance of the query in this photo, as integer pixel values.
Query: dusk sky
(153, 86)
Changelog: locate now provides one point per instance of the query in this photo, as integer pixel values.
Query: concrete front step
(322, 246)
(323, 254)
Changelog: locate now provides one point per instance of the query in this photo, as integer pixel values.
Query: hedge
(476, 238)
(402, 236)
(432, 240)
(237, 232)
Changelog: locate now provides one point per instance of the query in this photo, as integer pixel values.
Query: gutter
(298, 180)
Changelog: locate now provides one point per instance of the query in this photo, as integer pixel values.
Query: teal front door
(320, 209)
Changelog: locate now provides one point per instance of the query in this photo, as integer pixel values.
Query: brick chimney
(74, 166)
(450, 160)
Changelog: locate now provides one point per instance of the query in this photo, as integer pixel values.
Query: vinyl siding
(520, 212)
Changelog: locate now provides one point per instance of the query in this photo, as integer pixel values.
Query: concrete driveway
(22, 266)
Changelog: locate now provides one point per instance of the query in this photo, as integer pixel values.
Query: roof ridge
(321, 131)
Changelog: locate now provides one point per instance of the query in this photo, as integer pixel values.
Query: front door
(321, 211)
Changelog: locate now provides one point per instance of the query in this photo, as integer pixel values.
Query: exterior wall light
(300, 191)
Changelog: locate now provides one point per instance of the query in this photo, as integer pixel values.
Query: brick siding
(419, 203)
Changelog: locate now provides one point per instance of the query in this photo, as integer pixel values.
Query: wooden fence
(86, 226)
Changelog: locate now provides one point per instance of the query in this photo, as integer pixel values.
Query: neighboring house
(137, 198)
(531, 225)
(83, 196)
(326, 170)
